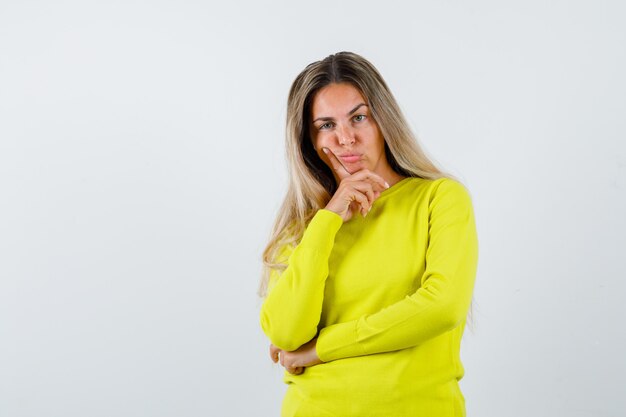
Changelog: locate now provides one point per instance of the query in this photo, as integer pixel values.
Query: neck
(391, 176)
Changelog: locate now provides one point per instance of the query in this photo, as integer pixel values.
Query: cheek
(319, 142)
(372, 130)
(376, 137)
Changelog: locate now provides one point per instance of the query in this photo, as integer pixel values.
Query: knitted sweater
(387, 296)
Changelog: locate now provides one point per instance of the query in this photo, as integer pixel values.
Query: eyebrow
(358, 106)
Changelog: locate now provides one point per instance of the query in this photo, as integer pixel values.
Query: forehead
(336, 99)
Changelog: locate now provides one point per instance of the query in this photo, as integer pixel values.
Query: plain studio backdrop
(142, 163)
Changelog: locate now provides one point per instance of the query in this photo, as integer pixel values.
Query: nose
(345, 135)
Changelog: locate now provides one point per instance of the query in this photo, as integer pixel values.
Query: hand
(361, 188)
(295, 361)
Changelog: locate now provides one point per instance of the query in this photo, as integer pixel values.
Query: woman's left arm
(442, 301)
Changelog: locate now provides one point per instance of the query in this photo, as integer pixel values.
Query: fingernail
(387, 184)
(325, 150)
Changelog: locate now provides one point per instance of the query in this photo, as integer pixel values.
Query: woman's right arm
(292, 309)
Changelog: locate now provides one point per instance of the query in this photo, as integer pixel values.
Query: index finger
(339, 168)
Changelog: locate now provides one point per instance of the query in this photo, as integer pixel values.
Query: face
(342, 122)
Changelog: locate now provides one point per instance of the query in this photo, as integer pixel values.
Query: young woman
(370, 269)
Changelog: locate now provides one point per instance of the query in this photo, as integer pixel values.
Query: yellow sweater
(387, 295)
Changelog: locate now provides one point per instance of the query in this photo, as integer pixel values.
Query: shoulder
(439, 188)
(448, 195)
(449, 187)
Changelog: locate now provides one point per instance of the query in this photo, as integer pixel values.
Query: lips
(350, 157)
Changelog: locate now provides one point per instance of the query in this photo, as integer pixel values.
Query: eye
(325, 126)
(359, 118)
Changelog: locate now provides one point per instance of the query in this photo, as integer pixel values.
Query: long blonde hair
(311, 182)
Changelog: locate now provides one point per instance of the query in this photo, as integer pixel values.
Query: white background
(142, 163)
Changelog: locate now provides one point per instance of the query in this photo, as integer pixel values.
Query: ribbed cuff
(338, 341)
(321, 230)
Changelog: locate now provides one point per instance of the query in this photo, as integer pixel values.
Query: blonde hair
(311, 182)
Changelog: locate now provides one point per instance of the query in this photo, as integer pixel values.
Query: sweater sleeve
(441, 302)
(292, 309)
